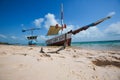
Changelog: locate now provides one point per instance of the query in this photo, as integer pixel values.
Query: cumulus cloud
(111, 14)
(68, 28)
(38, 22)
(43, 37)
(90, 34)
(3, 36)
(50, 20)
(113, 29)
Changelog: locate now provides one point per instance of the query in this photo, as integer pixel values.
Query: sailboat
(66, 38)
(32, 39)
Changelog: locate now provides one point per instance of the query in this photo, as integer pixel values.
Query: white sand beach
(27, 63)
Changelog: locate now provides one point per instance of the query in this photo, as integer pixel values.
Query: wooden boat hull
(60, 40)
(61, 43)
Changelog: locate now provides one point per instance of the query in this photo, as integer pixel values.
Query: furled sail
(53, 30)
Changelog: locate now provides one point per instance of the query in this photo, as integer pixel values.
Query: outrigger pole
(90, 25)
(31, 29)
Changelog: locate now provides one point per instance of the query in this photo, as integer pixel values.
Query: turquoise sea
(96, 45)
(99, 45)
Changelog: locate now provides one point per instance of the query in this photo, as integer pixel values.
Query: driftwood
(61, 48)
(41, 51)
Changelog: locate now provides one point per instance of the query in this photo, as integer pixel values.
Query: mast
(62, 17)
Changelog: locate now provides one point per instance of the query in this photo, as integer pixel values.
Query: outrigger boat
(66, 38)
(32, 39)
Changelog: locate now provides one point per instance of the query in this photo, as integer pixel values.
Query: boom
(31, 29)
(90, 25)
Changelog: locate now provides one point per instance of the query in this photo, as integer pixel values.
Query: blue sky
(18, 14)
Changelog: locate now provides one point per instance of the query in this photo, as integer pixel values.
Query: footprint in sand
(3, 53)
(38, 59)
(61, 56)
(75, 56)
(20, 66)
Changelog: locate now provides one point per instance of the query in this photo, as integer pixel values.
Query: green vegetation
(5, 43)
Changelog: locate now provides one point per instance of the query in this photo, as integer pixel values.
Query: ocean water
(99, 45)
(95, 45)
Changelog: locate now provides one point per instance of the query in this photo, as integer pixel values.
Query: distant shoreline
(103, 41)
(98, 41)
(93, 45)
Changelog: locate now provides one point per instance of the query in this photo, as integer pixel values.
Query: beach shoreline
(28, 63)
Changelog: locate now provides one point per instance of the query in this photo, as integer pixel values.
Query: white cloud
(50, 20)
(13, 37)
(68, 28)
(47, 21)
(43, 37)
(111, 14)
(3, 36)
(113, 29)
(90, 34)
(94, 34)
(38, 22)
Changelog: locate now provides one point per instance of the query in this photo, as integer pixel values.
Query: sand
(27, 63)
